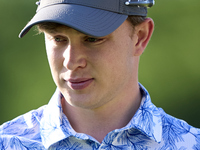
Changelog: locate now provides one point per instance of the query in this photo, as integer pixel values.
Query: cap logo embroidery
(38, 3)
(140, 3)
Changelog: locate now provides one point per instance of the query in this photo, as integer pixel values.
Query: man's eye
(92, 39)
(59, 39)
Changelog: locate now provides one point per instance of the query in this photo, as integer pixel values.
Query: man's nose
(74, 57)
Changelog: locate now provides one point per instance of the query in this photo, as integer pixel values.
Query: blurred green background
(169, 67)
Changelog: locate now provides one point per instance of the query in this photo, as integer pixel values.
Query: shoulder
(27, 120)
(23, 129)
(178, 133)
(170, 121)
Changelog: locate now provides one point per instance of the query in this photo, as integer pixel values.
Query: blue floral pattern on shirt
(48, 128)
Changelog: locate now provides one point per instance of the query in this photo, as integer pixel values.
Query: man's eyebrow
(61, 30)
(55, 30)
(50, 31)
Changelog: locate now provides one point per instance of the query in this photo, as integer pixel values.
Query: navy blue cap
(92, 17)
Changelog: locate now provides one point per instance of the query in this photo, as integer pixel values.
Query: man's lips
(80, 83)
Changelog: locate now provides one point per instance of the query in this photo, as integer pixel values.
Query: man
(93, 48)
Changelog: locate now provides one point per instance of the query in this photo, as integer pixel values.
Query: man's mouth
(80, 83)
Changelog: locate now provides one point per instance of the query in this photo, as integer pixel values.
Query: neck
(100, 121)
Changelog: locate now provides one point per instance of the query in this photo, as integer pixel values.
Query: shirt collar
(147, 119)
(50, 125)
(55, 126)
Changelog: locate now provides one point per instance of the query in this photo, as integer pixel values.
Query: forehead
(50, 27)
(54, 28)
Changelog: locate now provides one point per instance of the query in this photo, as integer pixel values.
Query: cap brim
(90, 21)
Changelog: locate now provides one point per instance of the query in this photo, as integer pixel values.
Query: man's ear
(143, 32)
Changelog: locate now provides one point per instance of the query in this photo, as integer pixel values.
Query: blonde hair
(51, 26)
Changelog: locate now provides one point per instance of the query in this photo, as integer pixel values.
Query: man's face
(91, 72)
